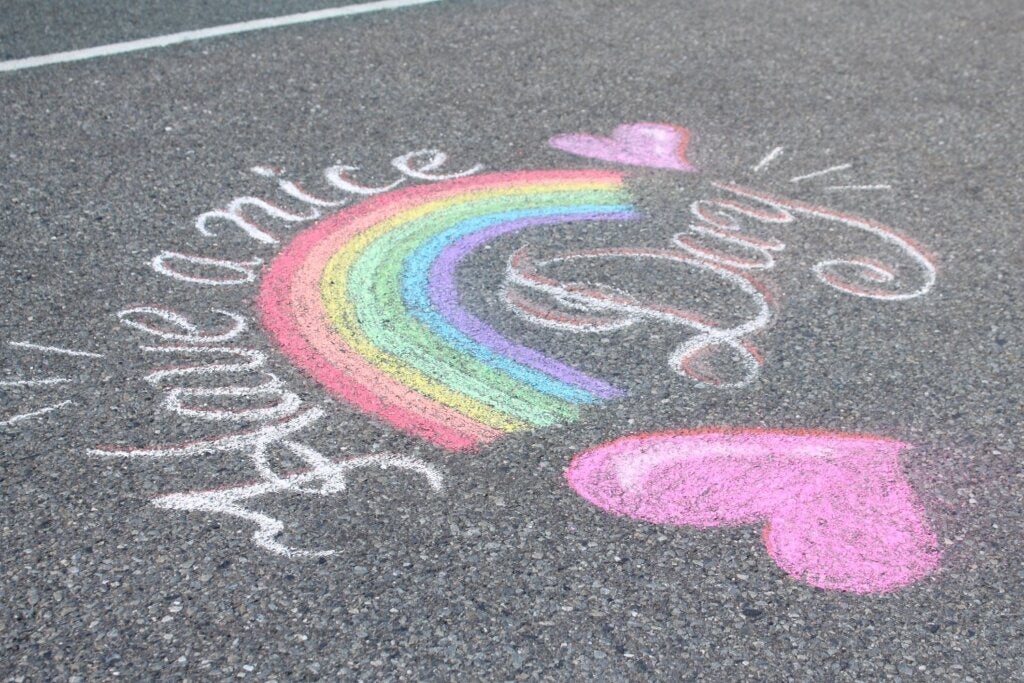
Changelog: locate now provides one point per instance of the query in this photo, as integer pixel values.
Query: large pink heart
(837, 510)
(657, 145)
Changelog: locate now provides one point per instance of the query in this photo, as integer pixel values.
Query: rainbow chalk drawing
(837, 512)
(366, 302)
(655, 145)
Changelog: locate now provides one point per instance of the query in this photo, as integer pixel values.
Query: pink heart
(837, 510)
(657, 145)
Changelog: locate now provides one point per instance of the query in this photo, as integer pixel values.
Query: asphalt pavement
(538, 339)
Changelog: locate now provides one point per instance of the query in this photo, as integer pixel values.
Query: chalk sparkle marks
(54, 349)
(33, 382)
(34, 413)
(767, 159)
(366, 302)
(21, 382)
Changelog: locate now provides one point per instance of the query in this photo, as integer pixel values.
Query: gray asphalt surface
(508, 574)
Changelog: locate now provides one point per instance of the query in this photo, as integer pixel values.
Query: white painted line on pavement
(203, 33)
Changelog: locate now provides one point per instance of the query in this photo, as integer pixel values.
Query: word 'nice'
(419, 165)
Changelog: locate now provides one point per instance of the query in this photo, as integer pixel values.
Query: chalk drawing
(54, 349)
(841, 188)
(638, 144)
(182, 400)
(294, 190)
(35, 413)
(419, 164)
(337, 176)
(323, 477)
(256, 359)
(42, 381)
(433, 159)
(844, 274)
(655, 145)
(837, 511)
(249, 442)
(202, 402)
(817, 174)
(244, 271)
(235, 213)
(690, 357)
(707, 357)
(191, 331)
(278, 415)
(33, 382)
(271, 415)
(365, 301)
(767, 159)
(718, 223)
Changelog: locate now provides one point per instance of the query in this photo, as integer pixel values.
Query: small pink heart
(837, 510)
(657, 145)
